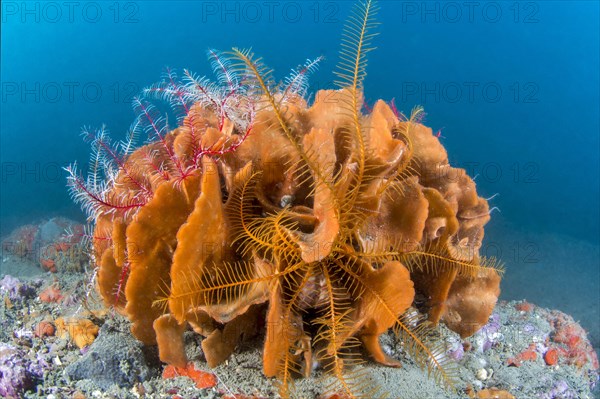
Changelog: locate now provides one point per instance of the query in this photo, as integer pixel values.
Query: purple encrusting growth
(15, 377)
(455, 349)
(17, 373)
(529, 328)
(560, 390)
(16, 289)
(489, 334)
(10, 285)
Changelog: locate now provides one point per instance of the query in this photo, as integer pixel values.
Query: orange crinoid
(329, 217)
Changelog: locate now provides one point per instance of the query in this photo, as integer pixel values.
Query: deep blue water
(514, 86)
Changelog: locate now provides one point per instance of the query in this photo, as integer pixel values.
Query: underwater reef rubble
(117, 365)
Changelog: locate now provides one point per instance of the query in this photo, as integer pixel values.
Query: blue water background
(536, 142)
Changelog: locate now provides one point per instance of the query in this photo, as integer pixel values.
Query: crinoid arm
(327, 218)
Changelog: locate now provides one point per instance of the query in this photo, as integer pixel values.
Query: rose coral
(332, 217)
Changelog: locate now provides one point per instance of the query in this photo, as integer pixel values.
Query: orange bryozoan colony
(321, 222)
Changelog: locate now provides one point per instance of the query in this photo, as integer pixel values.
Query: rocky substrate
(56, 341)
